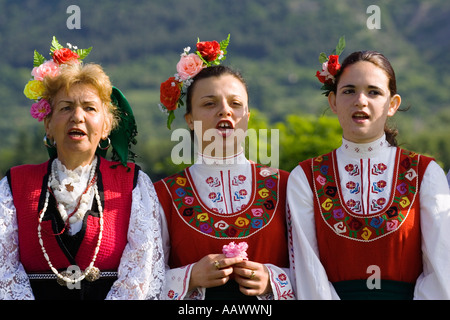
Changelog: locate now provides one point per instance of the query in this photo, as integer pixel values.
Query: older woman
(79, 226)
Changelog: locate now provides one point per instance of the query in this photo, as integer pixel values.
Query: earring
(48, 143)
(104, 148)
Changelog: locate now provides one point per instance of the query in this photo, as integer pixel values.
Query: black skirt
(52, 290)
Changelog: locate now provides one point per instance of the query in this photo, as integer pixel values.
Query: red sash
(390, 239)
(28, 185)
(196, 231)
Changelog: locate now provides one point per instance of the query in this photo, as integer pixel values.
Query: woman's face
(77, 124)
(220, 106)
(363, 102)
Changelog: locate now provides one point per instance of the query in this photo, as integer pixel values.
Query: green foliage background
(275, 44)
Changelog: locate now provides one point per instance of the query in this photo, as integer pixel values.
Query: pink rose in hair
(40, 110)
(48, 68)
(235, 250)
(188, 66)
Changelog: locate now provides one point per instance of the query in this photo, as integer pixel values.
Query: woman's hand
(253, 278)
(211, 271)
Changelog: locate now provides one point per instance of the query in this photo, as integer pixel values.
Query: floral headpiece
(330, 67)
(173, 90)
(34, 89)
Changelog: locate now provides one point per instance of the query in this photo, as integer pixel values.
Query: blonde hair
(79, 73)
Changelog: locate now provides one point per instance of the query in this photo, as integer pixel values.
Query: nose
(361, 100)
(225, 109)
(78, 114)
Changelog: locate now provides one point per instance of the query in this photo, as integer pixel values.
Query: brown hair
(383, 63)
(213, 71)
(79, 73)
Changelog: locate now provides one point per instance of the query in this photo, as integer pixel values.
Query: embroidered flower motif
(206, 228)
(221, 225)
(265, 172)
(321, 180)
(402, 188)
(378, 168)
(270, 183)
(338, 213)
(241, 222)
(202, 217)
(282, 280)
(172, 295)
(257, 212)
(257, 223)
(236, 250)
(353, 187)
(391, 225)
(352, 169)
(411, 174)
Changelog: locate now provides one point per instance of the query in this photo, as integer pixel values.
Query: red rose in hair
(321, 78)
(209, 50)
(64, 55)
(333, 64)
(170, 93)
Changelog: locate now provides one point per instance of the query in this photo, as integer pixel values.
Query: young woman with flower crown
(224, 229)
(368, 220)
(79, 226)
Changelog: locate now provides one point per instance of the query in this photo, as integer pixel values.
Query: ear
(47, 127)
(107, 124)
(332, 101)
(396, 100)
(189, 120)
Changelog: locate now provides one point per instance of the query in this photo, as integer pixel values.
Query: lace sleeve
(141, 270)
(14, 283)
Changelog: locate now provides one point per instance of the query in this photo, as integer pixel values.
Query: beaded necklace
(91, 273)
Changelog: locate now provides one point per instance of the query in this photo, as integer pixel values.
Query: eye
(348, 91)
(90, 108)
(64, 108)
(375, 92)
(236, 104)
(208, 104)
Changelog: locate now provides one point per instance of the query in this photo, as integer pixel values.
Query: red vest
(390, 239)
(28, 185)
(196, 231)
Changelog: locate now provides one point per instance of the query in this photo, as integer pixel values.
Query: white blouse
(141, 268)
(224, 185)
(358, 165)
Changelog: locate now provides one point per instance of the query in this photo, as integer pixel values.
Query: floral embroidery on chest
(341, 216)
(242, 224)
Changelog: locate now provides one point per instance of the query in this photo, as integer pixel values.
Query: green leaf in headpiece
(38, 59)
(340, 46)
(55, 45)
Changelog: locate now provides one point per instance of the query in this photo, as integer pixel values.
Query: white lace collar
(364, 150)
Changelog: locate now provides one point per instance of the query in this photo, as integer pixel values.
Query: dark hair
(383, 63)
(213, 71)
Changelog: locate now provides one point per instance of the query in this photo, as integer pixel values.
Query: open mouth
(225, 128)
(360, 116)
(76, 133)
